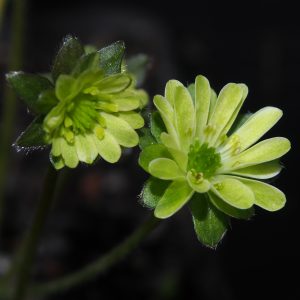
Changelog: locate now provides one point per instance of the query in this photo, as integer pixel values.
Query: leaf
(87, 62)
(157, 125)
(138, 65)
(153, 191)
(33, 136)
(46, 101)
(146, 138)
(210, 224)
(67, 57)
(28, 87)
(111, 57)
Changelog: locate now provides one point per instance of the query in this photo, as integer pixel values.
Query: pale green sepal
(184, 117)
(267, 196)
(233, 192)
(86, 148)
(69, 155)
(56, 161)
(229, 210)
(66, 87)
(126, 102)
(56, 149)
(262, 171)
(228, 101)
(256, 126)
(264, 151)
(108, 148)
(54, 118)
(213, 102)
(165, 168)
(170, 90)
(134, 119)
(202, 103)
(113, 84)
(200, 186)
(175, 197)
(121, 130)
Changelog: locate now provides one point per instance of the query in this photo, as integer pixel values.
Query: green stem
(9, 108)
(28, 249)
(100, 265)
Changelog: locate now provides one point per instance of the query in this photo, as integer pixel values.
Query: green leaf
(111, 57)
(28, 87)
(146, 138)
(33, 136)
(67, 57)
(152, 152)
(229, 210)
(46, 101)
(153, 191)
(87, 62)
(138, 65)
(157, 125)
(210, 224)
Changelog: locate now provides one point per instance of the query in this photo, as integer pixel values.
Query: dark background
(258, 44)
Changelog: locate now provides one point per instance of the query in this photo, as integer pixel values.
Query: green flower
(204, 160)
(91, 109)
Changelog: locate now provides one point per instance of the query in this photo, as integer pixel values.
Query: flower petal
(69, 154)
(108, 148)
(184, 117)
(177, 194)
(165, 168)
(256, 126)
(266, 196)
(230, 210)
(264, 151)
(262, 171)
(121, 130)
(113, 84)
(170, 90)
(200, 187)
(202, 103)
(133, 118)
(228, 101)
(233, 192)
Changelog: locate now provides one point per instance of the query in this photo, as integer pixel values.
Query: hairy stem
(100, 265)
(28, 249)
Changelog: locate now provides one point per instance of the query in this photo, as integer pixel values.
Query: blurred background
(258, 44)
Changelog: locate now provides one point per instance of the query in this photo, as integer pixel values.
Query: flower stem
(9, 106)
(100, 265)
(28, 248)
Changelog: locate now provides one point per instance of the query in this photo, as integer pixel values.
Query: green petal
(229, 210)
(165, 168)
(113, 84)
(233, 192)
(184, 116)
(228, 101)
(86, 148)
(121, 130)
(210, 224)
(264, 151)
(170, 90)
(134, 119)
(201, 187)
(262, 171)
(202, 103)
(266, 196)
(177, 194)
(108, 148)
(180, 157)
(152, 152)
(167, 113)
(256, 126)
(68, 152)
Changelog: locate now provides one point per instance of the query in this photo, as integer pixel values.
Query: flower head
(88, 109)
(204, 159)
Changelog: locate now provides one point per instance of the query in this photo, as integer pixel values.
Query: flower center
(203, 159)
